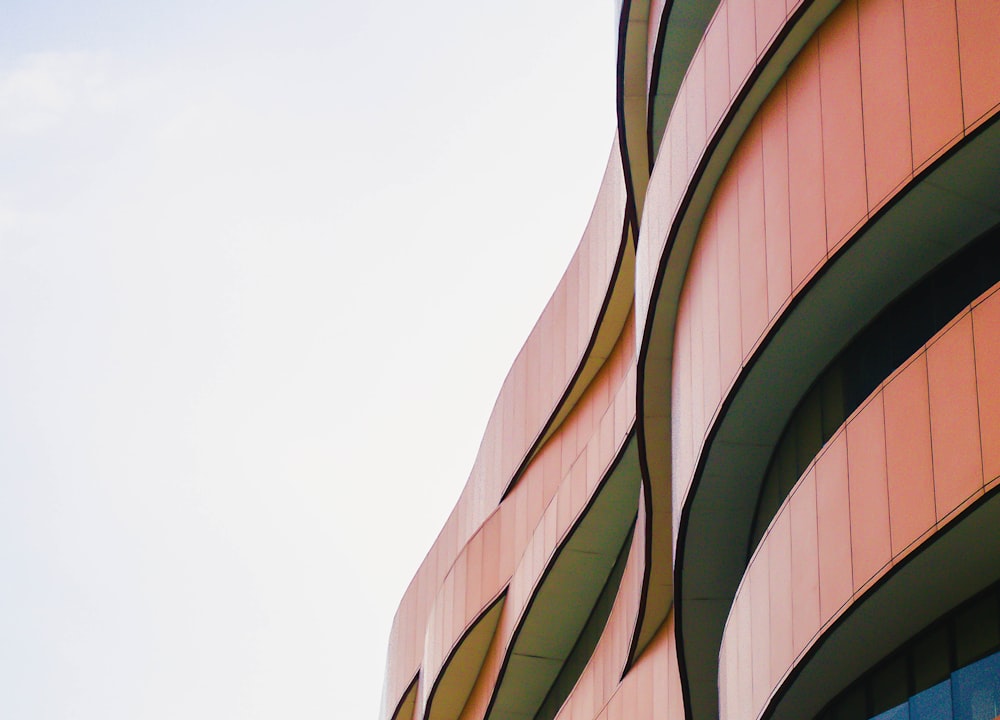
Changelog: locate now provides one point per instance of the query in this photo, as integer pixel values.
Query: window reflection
(950, 671)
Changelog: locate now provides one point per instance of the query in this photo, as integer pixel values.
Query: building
(747, 464)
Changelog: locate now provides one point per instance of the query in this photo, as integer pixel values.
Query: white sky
(263, 267)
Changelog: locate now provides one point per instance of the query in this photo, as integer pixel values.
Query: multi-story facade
(747, 464)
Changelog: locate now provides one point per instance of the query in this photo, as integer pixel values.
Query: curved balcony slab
(884, 517)
(818, 157)
(526, 585)
(784, 232)
(609, 688)
(708, 115)
(716, 494)
(571, 342)
(513, 550)
(561, 600)
(454, 684)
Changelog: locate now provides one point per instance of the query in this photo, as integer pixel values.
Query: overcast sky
(263, 267)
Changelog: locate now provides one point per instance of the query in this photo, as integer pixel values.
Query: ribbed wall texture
(790, 170)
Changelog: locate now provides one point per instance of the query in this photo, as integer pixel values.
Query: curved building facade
(747, 464)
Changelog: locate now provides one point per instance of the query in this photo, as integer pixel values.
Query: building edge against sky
(747, 463)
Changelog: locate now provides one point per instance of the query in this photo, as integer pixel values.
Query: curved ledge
(616, 309)
(817, 158)
(898, 485)
(528, 410)
(826, 211)
(719, 501)
(450, 624)
(631, 101)
(709, 116)
(405, 709)
(522, 614)
(649, 688)
(560, 360)
(680, 27)
(512, 549)
(956, 575)
(564, 596)
(458, 676)
(604, 678)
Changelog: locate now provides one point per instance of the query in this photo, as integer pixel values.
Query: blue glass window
(933, 703)
(948, 671)
(976, 690)
(900, 712)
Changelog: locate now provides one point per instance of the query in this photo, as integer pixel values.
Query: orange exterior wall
(789, 167)
(901, 468)
(802, 182)
(546, 366)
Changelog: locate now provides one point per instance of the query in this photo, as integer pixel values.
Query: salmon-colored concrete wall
(538, 514)
(879, 92)
(740, 35)
(515, 544)
(656, 10)
(651, 688)
(920, 450)
(600, 679)
(529, 397)
(802, 181)
(846, 129)
(716, 76)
